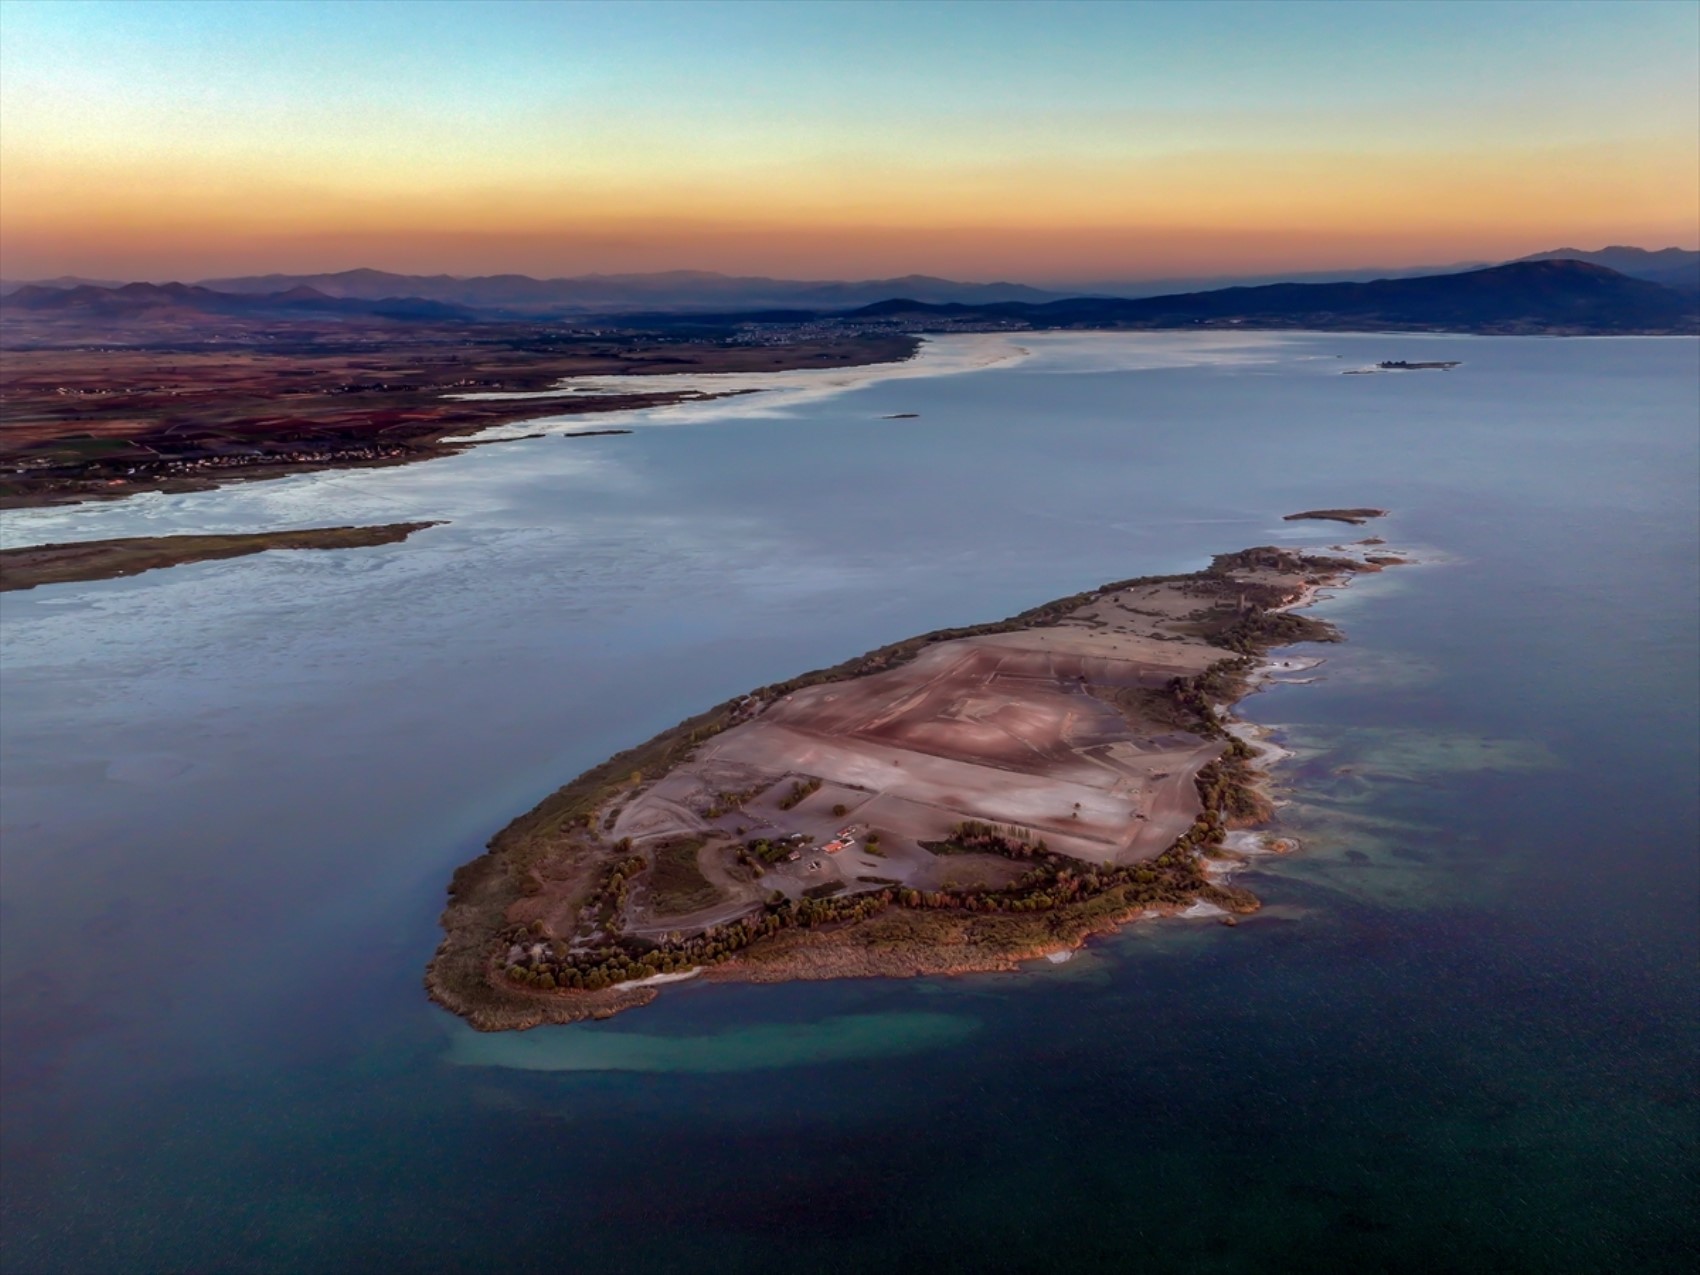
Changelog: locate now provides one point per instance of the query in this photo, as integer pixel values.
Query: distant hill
(1214, 283)
(1537, 296)
(1673, 267)
(681, 290)
(63, 281)
(163, 300)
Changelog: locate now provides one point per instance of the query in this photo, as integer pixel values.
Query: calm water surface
(1461, 1036)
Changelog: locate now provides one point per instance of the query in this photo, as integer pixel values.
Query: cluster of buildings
(816, 329)
(298, 455)
(843, 840)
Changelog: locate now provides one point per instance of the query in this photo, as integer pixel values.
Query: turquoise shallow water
(1461, 1036)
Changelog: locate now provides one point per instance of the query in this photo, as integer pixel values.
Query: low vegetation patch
(971, 836)
(770, 851)
(676, 881)
(800, 792)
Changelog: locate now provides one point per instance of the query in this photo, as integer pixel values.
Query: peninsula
(963, 800)
(27, 567)
(172, 392)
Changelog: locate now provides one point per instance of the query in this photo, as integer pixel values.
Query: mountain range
(1546, 294)
(136, 300)
(1673, 267)
(1553, 295)
(671, 290)
(520, 295)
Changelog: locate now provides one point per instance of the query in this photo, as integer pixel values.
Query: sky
(1046, 143)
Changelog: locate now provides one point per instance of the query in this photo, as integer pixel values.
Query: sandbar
(27, 567)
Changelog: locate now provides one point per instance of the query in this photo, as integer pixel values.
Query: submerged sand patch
(842, 1039)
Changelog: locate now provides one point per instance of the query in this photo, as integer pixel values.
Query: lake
(1462, 1035)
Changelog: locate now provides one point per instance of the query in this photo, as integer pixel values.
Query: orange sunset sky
(1043, 143)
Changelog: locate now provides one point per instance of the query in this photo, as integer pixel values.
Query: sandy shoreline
(705, 396)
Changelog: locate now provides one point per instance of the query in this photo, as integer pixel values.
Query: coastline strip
(33, 565)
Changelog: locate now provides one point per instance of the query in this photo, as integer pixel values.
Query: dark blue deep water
(1462, 1035)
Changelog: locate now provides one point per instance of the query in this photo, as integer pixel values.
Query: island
(1357, 517)
(27, 567)
(964, 800)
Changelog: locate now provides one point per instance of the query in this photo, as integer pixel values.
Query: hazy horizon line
(1050, 283)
